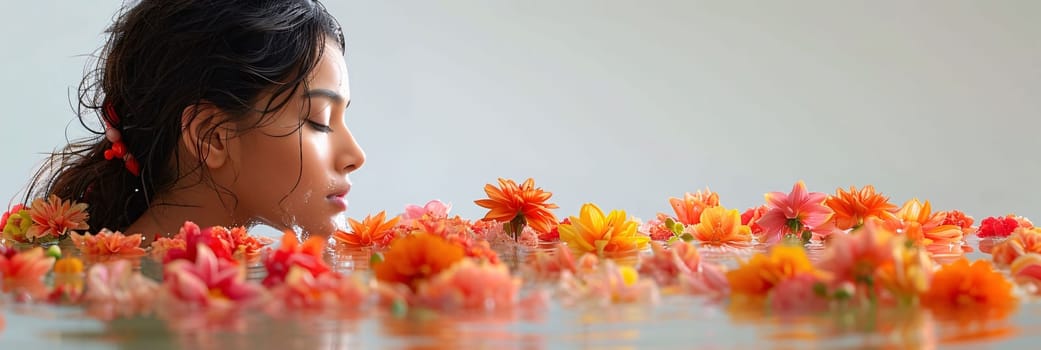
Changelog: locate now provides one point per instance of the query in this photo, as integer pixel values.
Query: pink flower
(434, 208)
(796, 294)
(208, 281)
(680, 265)
(857, 256)
(655, 228)
(107, 243)
(609, 284)
(54, 218)
(794, 212)
(470, 286)
(292, 253)
(114, 289)
(551, 265)
(1026, 270)
(163, 245)
(194, 237)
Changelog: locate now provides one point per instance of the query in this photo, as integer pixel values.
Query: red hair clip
(118, 150)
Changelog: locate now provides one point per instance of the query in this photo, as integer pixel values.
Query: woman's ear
(203, 134)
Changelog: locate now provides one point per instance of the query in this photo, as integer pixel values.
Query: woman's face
(286, 175)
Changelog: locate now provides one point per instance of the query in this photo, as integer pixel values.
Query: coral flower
(108, 243)
(469, 286)
(549, 265)
(761, 273)
(719, 226)
(243, 245)
(751, 217)
(688, 209)
(997, 227)
(593, 232)
(208, 281)
(508, 202)
(656, 228)
(163, 245)
(371, 231)
(54, 218)
(193, 237)
(977, 290)
(958, 218)
(919, 223)
(291, 253)
(794, 212)
(1027, 270)
(23, 268)
(414, 258)
(908, 275)
(855, 257)
(1022, 241)
(853, 208)
(303, 290)
(797, 294)
(608, 284)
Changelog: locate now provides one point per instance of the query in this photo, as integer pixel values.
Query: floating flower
(798, 293)
(609, 284)
(997, 227)
(114, 289)
(958, 218)
(680, 265)
(908, 275)
(68, 266)
(720, 226)
(23, 267)
(457, 231)
(751, 218)
(976, 291)
(329, 290)
(855, 207)
(519, 205)
(1022, 241)
(917, 221)
(550, 265)
(434, 208)
(757, 276)
(688, 209)
(54, 218)
(793, 213)
(208, 281)
(108, 243)
(855, 257)
(194, 237)
(1026, 269)
(15, 223)
(593, 232)
(469, 286)
(162, 245)
(415, 258)
(656, 229)
(243, 245)
(371, 231)
(307, 256)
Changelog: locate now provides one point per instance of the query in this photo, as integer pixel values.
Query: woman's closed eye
(319, 126)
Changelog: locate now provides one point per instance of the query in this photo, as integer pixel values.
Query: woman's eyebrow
(332, 95)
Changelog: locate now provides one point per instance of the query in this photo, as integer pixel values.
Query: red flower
(193, 237)
(291, 253)
(997, 227)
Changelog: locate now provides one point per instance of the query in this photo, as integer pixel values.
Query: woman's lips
(339, 200)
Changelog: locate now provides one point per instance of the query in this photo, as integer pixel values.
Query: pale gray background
(627, 103)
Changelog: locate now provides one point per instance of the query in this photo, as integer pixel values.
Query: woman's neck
(168, 212)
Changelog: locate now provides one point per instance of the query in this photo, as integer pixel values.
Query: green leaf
(54, 251)
(687, 237)
(375, 259)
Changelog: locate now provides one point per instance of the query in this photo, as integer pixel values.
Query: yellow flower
(760, 274)
(17, 225)
(593, 232)
(720, 226)
(68, 266)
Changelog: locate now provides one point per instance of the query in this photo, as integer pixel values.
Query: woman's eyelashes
(319, 126)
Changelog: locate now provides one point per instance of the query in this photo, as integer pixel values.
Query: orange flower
(108, 243)
(919, 223)
(719, 226)
(509, 201)
(958, 218)
(965, 289)
(54, 218)
(688, 209)
(1026, 270)
(592, 232)
(371, 231)
(1020, 242)
(415, 258)
(854, 207)
(758, 275)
